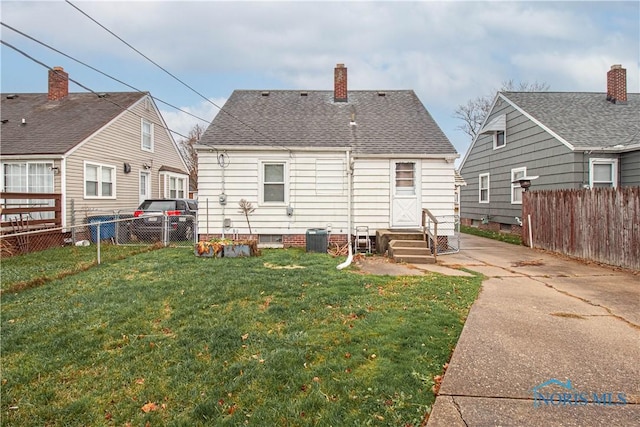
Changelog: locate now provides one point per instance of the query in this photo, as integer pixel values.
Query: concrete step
(408, 243)
(411, 251)
(415, 259)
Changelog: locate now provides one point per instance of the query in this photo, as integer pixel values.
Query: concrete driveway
(550, 341)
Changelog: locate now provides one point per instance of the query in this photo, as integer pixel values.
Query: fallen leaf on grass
(148, 407)
(437, 382)
(140, 381)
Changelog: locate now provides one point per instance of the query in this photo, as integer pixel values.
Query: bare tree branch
(473, 113)
(189, 153)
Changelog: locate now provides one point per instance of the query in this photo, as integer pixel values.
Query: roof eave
(610, 149)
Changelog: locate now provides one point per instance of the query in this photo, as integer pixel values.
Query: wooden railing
(430, 237)
(20, 207)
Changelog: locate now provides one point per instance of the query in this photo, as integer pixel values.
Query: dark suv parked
(152, 213)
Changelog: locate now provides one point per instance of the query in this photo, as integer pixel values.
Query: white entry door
(405, 197)
(145, 186)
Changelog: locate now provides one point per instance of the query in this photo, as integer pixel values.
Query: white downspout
(349, 178)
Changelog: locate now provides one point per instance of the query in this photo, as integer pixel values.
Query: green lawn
(34, 269)
(167, 338)
(503, 237)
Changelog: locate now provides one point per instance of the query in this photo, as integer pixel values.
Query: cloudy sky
(446, 51)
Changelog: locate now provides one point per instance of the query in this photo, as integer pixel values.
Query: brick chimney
(340, 83)
(58, 84)
(617, 84)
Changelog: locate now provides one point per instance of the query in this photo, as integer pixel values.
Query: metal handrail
(426, 229)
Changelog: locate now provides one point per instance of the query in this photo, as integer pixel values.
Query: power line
(109, 76)
(9, 45)
(173, 76)
(99, 71)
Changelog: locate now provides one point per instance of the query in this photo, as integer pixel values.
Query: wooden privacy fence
(600, 224)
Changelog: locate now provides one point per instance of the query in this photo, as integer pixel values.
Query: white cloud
(447, 51)
(181, 123)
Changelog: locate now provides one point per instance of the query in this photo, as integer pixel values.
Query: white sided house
(331, 160)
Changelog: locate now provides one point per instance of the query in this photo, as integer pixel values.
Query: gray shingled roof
(54, 127)
(584, 120)
(396, 123)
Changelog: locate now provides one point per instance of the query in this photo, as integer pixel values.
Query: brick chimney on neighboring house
(58, 84)
(617, 84)
(340, 83)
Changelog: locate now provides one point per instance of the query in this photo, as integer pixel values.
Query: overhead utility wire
(82, 86)
(98, 71)
(113, 78)
(176, 78)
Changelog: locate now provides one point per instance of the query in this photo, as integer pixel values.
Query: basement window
(270, 241)
(270, 238)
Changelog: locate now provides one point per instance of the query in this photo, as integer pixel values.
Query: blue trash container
(107, 229)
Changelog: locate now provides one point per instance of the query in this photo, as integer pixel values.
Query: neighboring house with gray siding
(326, 159)
(567, 139)
(102, 153)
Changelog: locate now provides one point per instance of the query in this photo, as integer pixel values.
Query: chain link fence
(98, 229)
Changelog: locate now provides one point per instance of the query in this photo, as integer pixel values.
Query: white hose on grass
(348, 261)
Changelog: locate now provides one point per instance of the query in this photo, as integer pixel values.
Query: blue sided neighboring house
(569, 140)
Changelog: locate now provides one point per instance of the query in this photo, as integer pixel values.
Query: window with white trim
(99, 181)
(273, 182)
(483, 190)
(499, 139)
(516, 189)
(147, 135)
(177, 187)
(603, 173)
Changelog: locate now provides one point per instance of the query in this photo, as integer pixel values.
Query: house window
(483, 194)
(147, 135)
(176, 187)
(99, 181)
(273, 183)
(29, 178)
(603, 173)
(516, 189)
(405, 178)
(498, 139)
(270, 238)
